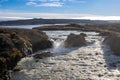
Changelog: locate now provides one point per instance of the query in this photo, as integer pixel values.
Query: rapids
(94, 61)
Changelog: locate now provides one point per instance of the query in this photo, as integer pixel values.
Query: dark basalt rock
(114, 42)
(41, 45)
(43, 55)
(83, 34)
(10, 41)
(12, 49)
(75, 40)
(18, 43)
(104, 33)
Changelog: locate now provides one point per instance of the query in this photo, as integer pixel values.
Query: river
(94, 61)
(29, 26)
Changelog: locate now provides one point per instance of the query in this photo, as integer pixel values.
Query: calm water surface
(29, 26)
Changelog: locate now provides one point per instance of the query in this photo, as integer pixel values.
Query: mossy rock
(17, 43)
(74, 40)
(3, 65)
(114, 42)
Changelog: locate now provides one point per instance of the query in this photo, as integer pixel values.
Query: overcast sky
(59, 9)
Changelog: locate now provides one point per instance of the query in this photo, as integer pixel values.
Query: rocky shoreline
(16, 44)
(110, 30)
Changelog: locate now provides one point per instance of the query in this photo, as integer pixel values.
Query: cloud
(31, 3)
(46, 4)
(51, 3)
(10, 15)
(78, 1)
(95, 17)
(4, 18)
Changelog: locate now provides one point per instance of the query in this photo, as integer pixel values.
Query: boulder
(43, 55)
(43, 44)
(18, 43)
(83, 34)
(114, 42)
(38, 39)
(75, 40)
(8, 42)
(104, 33)
(12, 48)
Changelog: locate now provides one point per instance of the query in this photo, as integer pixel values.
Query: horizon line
(10, 15)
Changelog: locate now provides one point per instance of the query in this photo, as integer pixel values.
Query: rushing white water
(91, 62)
(58, 38)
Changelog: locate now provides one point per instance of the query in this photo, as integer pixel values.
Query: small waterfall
(58, 47)
(58, 43)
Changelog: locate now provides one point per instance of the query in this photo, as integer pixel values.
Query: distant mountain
(114, 21)
(48, 21)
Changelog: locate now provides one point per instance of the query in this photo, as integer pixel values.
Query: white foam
(87, 62)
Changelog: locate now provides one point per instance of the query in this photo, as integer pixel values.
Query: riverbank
(111, 30)
(18, 43)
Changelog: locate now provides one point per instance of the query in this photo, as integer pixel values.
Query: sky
(60, 9)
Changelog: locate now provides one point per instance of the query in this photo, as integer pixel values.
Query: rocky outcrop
(17, 43)
(83, 34)
(42, 55)
(104, 33)
(75, 40)
(12, 49)
(114, 42)
(38, 39)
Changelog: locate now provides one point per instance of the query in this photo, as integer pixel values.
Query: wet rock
(100, 63)
(100, 75)
(18, 43)
(36, 60)
(45, 77)
(12, 48)
(75, 40)
(94, 70)
(110, 75)
(43, 55)
(72, 69)
(96, 53)
(118, 75)
(17, 68)
(113, 41)
(104, 33)
(86, 58)
(105, 65)
(10, 41)
(89, 54)
(39, 45)
(83, 34)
